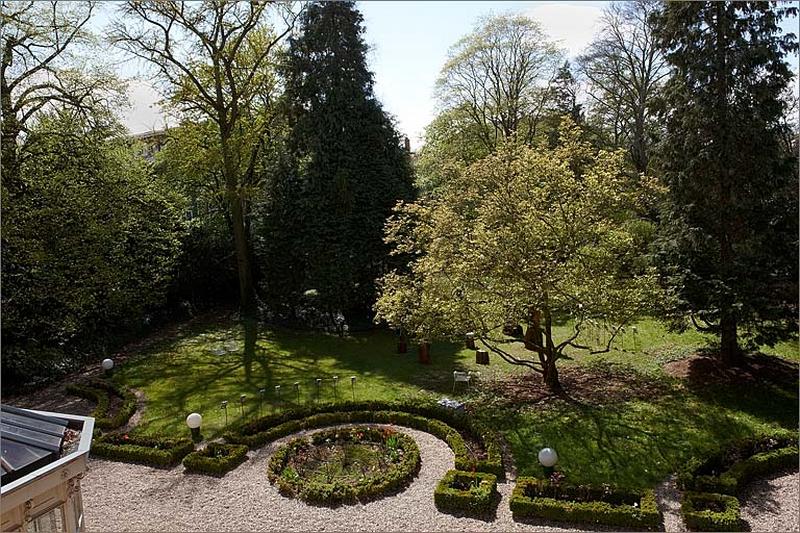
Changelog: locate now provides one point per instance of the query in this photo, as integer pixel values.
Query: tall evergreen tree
(731, 231)
(347, 168)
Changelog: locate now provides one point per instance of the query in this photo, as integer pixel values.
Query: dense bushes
(418, 415)
(152, 451)
(466, 492)
(727, 471)
(100, 393)
(710, 512)
(89, 247)
(405, 465)
(595, 505)
(216, 459)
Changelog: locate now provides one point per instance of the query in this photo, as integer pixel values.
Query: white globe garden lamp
(107, 365)
(548, 457)
(193, 421)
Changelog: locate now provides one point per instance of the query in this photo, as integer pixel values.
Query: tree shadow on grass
(633, 444)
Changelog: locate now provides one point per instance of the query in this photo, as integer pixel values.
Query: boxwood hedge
(472, 493)
(595, 505)
(292, 484)
(725, 472)
(152, 451)
(99, 392)
(703, 511)
(428, 417)
(216, 459)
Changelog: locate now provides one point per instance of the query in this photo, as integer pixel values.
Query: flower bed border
(479, 500)
(706, 520)
(423, 416)
(152, 451)
(206, 461)
(646, 515)
(98, 392)
(729, 482)
(335, 493)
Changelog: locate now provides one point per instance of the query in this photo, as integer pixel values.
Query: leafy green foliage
(729, 237)
(595, 505)
(346, 171)
(521, 230)
(473, 493)
(216, 459)
(704, 511)
(89, 248)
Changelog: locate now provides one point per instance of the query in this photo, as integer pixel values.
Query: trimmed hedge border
(427, 417)
(395, 478)
(152, 451)
(98, 392)
(216, 459)
(479, 499)
(698, 519)
(781, 452)
(593, 505)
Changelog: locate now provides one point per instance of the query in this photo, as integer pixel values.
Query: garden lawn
(633, 443)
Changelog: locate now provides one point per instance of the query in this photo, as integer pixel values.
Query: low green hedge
(722, 516)
(290, 483)
(98, 392)
(595, 505)
(472, 493)
(727, 471)
(424, 416)
(216, 459)
(152, 451)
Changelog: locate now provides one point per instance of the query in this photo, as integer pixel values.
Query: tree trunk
(729, 351)
(550, 371)
(247, 300)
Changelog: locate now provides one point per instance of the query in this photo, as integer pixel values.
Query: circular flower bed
(344, 465)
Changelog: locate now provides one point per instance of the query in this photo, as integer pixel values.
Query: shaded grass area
(633, 443)
(638, 443)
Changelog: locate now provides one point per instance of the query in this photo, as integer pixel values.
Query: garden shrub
(152, 451)
(590, 504)
(466, 492)
(727, 471)
(216, 459)
(289, 482)
(421, 415)
(704, 511)
(99, 392)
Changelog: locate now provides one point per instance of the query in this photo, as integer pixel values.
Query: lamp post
(335, 390)
(261, 393)
(224, 406)
(193, 421)
(319, 384)
(548, 459)
(278, 392)
(108, 366)
(241, 404)
(297, 391)
(353, 386)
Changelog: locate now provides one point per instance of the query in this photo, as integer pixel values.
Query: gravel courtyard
(125, 497)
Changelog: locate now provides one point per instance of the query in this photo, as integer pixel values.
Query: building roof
(28, 441)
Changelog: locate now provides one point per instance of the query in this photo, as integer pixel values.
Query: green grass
(634, 443)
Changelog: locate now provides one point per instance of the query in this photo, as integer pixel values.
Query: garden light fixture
(548, 457)
(107, 366)
(193, 421)
(353, 386)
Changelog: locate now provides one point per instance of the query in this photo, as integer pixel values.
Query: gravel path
(125, 497)
(773, 503)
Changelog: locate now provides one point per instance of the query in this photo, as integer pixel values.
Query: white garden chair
(464, 377)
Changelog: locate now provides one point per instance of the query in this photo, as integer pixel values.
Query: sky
(408, 43)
